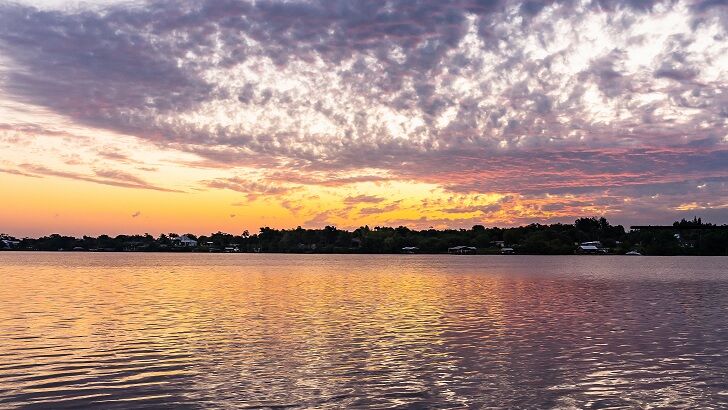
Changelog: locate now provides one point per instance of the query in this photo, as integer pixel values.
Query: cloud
(504, 96)
(388, 61)
(104, 177)
(18, 172)
(113, 155)
(321, 219)
(359, 199)
(323, 178)
(376, 210)
(121, 176)
(252, 189)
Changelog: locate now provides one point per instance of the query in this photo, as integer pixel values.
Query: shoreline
(342, 253)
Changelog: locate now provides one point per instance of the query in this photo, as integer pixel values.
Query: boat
(633, 253)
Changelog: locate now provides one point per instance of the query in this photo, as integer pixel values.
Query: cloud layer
(611, 101)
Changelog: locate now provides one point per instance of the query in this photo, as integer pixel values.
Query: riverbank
(585, 236)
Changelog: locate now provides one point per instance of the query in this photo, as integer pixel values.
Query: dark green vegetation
(682, 238)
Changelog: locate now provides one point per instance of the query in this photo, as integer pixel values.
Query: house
(591, 248)
(507, 251)
(9, 244)
(410, 249)
(184, 241)
(499, 244)
(598, 244)
(462, 250)
(587, 250)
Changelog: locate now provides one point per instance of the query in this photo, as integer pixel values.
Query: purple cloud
(104, 177)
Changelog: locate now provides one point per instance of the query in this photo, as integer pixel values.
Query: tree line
(687, 238)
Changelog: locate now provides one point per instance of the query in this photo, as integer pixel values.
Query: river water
(116, 330)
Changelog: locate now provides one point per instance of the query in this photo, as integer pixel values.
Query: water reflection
(134, 330)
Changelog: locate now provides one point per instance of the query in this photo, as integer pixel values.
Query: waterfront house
(507, 251)
(410, 249)
(184, 241)
(591, 248)
(9, 244)
(598, 244)
(462, 250)
(587, 250)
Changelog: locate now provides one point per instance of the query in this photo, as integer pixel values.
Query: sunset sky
(206, 115)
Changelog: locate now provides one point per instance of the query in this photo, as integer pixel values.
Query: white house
(598, 244)
(592, 247)
(184, 241)
(587, 249)
(9, 244)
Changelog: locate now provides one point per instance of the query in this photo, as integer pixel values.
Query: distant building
(184, 241)
(499, 244)
(462, 250)
(507, 251)
(9, 244)
(591, 248)
(410, 249)
(598, 244)
(587, 249)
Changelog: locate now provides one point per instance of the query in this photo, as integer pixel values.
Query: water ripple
(314, 331)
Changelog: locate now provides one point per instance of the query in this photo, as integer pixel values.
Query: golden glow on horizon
(43, 206)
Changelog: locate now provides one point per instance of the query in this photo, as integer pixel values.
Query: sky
(206, 115)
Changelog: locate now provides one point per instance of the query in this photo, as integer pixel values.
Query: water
(343, 331)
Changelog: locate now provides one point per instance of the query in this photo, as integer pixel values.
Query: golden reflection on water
(333, 331)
